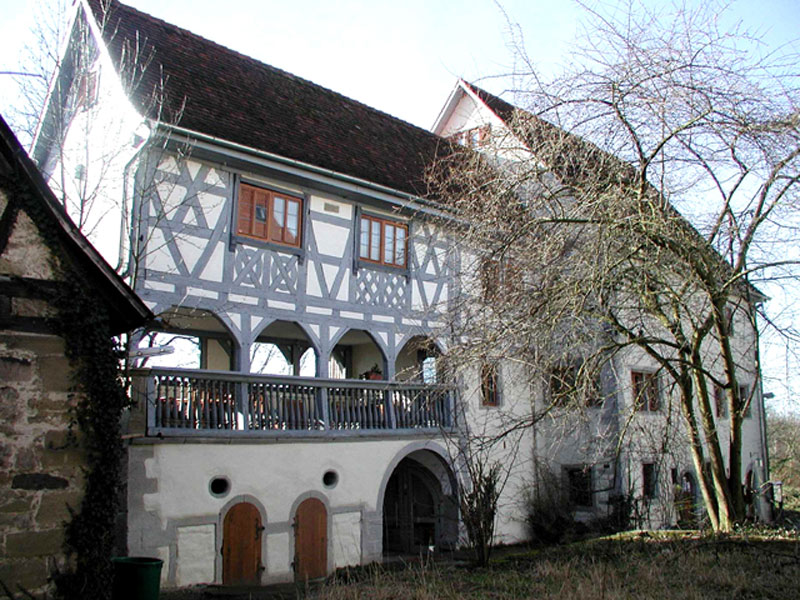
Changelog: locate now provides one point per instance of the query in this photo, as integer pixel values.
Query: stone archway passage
(241, 545)
(311, 540)
(413, 510)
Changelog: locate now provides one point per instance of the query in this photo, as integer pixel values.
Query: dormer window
(269, 216)
(86, 88)
(472, 138)
(382, 241)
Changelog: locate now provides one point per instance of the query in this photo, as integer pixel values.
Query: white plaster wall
(177, 476)
(346, 539)
(332, 206)
(331, 239)
(469, 113)
(514, 452)
(280, 555)
(195, 554)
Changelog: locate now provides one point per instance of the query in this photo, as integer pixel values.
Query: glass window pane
(278, 218)
(400, 248)
(292, 219)
(278, 211)
(388, 243)
(375, 246)
(364, 246)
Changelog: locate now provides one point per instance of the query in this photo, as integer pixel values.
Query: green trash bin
(136, 578)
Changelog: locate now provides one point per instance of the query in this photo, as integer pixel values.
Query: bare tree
(36, 64)
(784, 448)
(577, 254)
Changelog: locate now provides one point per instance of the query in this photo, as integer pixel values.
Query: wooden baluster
(220, 424)
(204, 404)
(256, 399)
(368, 402)
(334, 405)
(278, 413)
(346, 416)
(230, 404)
(292, 404)
(311, 406)
(281, 405)
(305, 417)
(353, 417)
(362, 406)
(298, 407)
(160, 400)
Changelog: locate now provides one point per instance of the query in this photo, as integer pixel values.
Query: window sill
(372, 266)
(248, 241)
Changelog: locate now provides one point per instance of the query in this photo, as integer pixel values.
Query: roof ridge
(115, 4)
(479, 91)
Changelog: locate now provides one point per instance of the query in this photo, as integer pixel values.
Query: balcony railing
(220, 403)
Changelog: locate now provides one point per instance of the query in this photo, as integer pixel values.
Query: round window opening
(330, 479)
(219, 486)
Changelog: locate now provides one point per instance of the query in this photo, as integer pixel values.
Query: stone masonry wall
(40, 461)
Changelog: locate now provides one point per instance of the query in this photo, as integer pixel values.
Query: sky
(400, 57)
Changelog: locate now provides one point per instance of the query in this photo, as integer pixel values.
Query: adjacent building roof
(233, 97)
(126, 311)
(574, 158)
(570, 156)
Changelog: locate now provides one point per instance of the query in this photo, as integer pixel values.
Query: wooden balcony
(183, 402)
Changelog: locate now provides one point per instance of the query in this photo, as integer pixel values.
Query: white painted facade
(181, 519)
(588, 440)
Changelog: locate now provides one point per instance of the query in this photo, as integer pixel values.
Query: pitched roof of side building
(18, 174)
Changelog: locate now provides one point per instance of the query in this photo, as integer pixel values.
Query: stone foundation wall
(40, 461)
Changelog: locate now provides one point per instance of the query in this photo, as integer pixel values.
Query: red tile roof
(236, 98)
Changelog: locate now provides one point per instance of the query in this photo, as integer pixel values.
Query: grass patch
(659, 565)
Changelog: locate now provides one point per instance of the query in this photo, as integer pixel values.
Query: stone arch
(350, 349)
(419, 479)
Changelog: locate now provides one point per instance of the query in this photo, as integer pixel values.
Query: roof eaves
(406, 199)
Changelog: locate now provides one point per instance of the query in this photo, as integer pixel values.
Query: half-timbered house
(280, 232)
(277, 229)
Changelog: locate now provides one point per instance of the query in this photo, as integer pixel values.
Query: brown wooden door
(241, 545)
(311, 540)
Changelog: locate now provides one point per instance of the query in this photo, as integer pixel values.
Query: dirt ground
(285, 591)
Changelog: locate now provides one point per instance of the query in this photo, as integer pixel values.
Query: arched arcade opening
(283, 348)
(420, 510)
